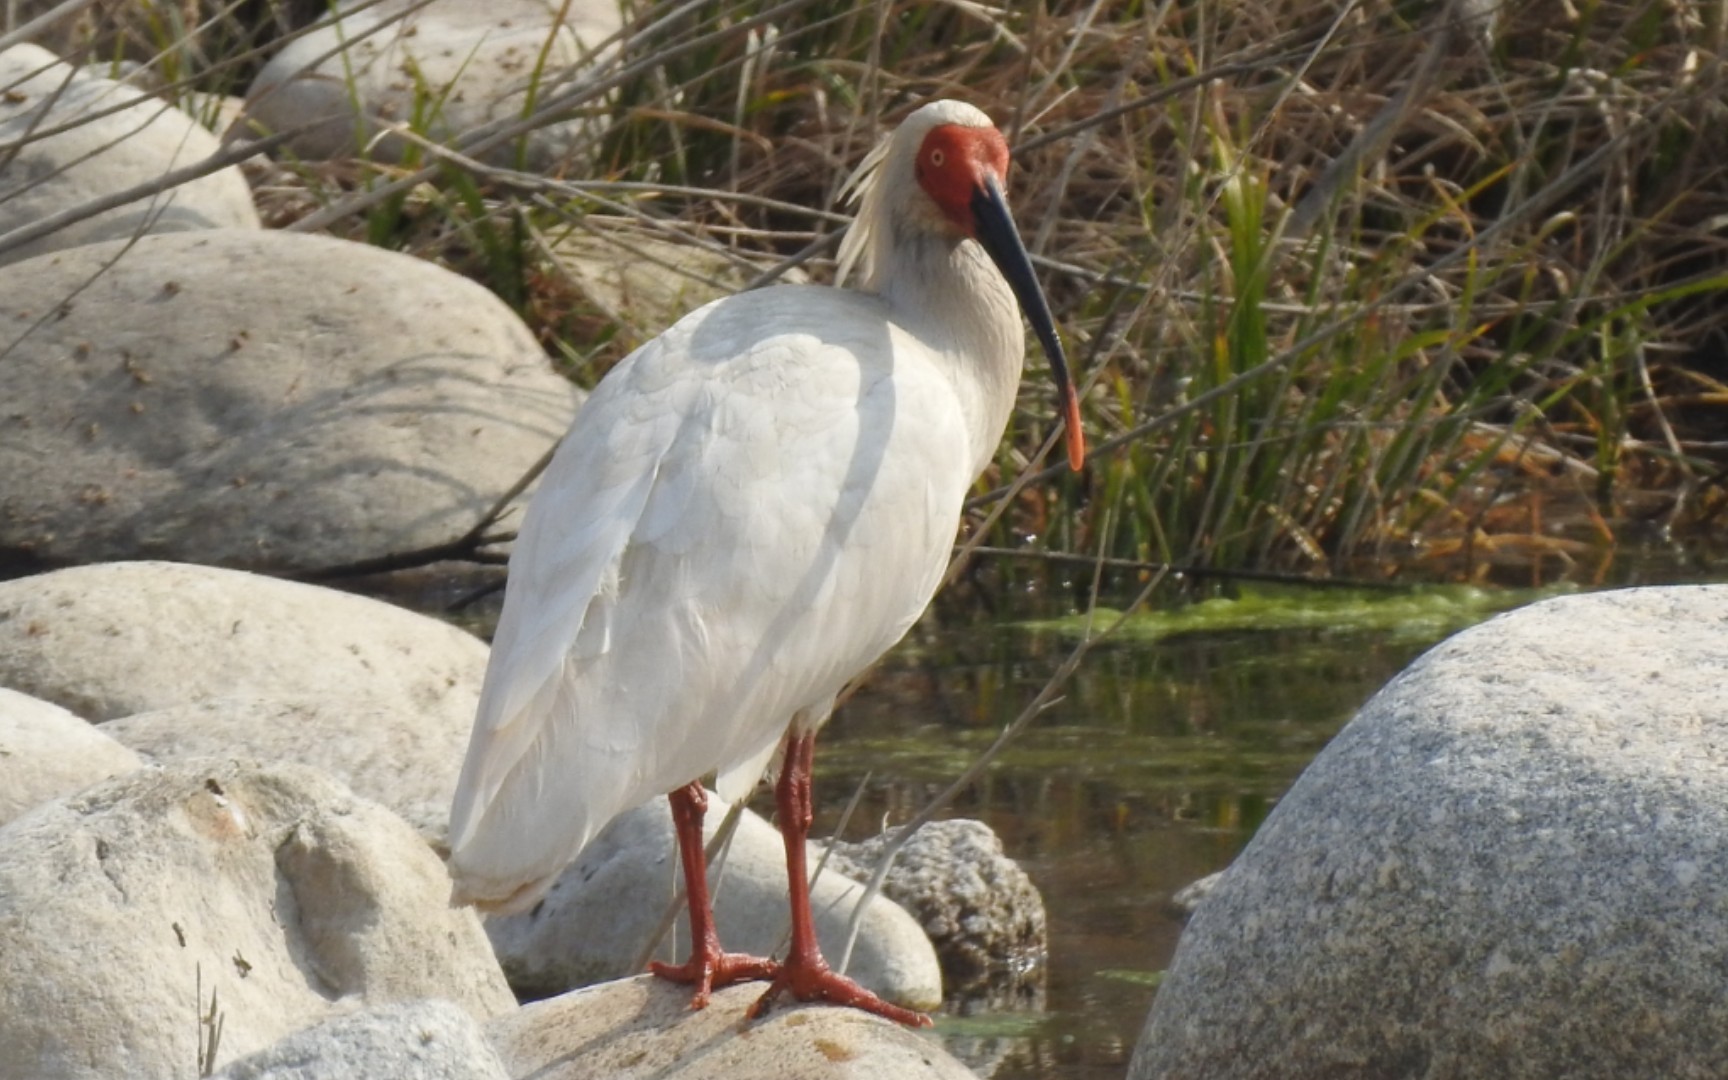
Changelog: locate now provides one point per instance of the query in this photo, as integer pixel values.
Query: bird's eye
(938, 158)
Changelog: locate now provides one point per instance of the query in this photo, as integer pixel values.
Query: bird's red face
(963, 169)
(952, 166)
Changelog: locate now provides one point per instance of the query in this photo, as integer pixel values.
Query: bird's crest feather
(863, 189)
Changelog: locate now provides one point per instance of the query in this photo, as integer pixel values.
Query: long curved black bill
(994, 229)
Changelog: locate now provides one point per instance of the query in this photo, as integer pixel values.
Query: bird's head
(944, 170)
(957, 164)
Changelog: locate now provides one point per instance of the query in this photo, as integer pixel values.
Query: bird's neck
(953, 299)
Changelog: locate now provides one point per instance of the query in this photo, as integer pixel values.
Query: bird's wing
(740, 520)
(567, 552)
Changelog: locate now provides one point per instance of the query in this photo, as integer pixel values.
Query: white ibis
(748, 511)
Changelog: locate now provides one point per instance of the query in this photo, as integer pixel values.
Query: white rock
(119, 638)
(276, 891)
(263, 400)
(387, 751)
(644, 1028)
(46, 752)
(603, 910)
(98, 155)
(1512, 863)
(439, 68)
(417, 1040)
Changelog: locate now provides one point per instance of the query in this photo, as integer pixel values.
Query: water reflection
(1153, 771)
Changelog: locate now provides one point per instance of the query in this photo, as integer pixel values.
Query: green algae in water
(993, 1025)
(1134, 976)
(1420, 613)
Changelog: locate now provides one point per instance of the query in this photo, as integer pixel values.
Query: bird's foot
(710, 970)
(816, 981)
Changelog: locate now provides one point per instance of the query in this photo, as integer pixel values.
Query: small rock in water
(1189, 897)
(86, 155)
(981, 910)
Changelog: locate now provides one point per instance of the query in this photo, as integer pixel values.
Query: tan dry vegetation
(1357, 288)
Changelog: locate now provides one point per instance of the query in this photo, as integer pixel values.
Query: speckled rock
(46, 752)
(138, 139)
(261, 400)
(1186, 900)
(644, 1028)
(121, 638)
(440, 68)
(416, 1040)
(978, 907)
(387, 751)
(276, 892)
(1512, 863)
(603, 910)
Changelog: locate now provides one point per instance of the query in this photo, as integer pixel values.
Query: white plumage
(749, 510)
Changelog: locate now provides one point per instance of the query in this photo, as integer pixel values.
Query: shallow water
(1170, 747)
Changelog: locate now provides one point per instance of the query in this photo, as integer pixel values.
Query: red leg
(708, 968)
(804, 972)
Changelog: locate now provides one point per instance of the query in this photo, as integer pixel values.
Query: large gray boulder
(267, 896)
(644, 1028)
(603, 911)
(439, 69)
(262, 400)
(415, 1040)
(1512, 863)
(46, 752)
(120, 638)
(68, 138)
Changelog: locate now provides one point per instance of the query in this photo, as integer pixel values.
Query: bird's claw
(708, 972)
(818, 982)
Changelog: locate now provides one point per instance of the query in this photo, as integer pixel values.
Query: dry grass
(1355, 287)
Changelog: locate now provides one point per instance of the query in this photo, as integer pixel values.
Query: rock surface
(438, 68)
(417, 1040)
(389, 752)
(603, 910)
(1512, 863)
(1187, 900)
(57, 152)
(262, 400)
(46, 752)
(979, 909)
(649, 282)
(644, 1027)
(121, 638)
(273, 892)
